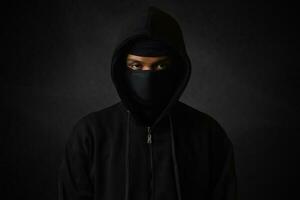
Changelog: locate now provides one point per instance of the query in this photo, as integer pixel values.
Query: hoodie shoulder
(201, 121)
(108, 110)
(193, 113)
(104, 112)
(94, 124)
(99, 118)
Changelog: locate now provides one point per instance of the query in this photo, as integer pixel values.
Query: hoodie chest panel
(164, 178)
(164, 187)
(110, 168)
(139, 164)
(192, 150)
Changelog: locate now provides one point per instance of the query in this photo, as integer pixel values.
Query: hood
(156, 24)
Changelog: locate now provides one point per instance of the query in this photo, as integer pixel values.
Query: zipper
(149, 139)
(149, 142)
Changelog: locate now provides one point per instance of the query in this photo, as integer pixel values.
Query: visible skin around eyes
(135, 62)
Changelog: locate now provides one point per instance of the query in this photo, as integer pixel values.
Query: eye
(134, 66)
(161, 66)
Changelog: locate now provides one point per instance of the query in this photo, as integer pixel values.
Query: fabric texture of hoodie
(184, 154)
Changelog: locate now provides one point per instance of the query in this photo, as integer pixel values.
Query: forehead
(148, 59)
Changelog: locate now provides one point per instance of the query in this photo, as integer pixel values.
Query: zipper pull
(149, 139)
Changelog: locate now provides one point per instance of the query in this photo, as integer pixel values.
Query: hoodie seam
(175, 165)
(127, 158)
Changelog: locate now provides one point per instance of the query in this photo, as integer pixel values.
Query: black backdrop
(56, 68)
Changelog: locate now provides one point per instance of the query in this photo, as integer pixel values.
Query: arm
(224, 180)
(73, 178)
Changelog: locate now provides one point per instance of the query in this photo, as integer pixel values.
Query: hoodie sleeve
(73, 178)
(224, 180)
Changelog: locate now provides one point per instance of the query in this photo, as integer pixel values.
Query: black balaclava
(151, 90)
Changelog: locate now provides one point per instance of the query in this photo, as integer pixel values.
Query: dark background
(56, 68)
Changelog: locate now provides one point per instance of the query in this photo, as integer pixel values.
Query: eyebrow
(132, 60)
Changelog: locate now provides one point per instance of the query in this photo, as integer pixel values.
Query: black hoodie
(110, 156)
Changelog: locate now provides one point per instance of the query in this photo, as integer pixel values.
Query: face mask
(150, 88)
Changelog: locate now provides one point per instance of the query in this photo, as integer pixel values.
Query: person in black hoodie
(150, 145)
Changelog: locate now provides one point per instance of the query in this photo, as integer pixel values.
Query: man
(150, 145)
